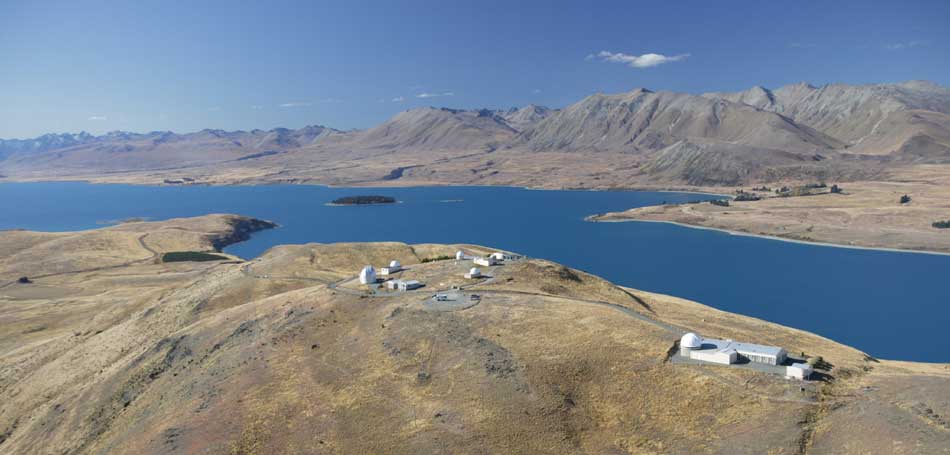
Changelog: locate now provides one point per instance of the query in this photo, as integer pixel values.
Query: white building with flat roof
(394, 266)
(409, 285)
(485, 262)
(727, 351)
(720, 356)
(799, 371)
(758, 353)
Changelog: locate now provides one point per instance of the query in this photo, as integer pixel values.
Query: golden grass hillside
(287, 354)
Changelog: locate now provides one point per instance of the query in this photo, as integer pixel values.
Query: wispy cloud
(434, 95)
(907, 45)
(296, 104)
(96, 118)
(257, 107)
(636, 61)
(398, 99)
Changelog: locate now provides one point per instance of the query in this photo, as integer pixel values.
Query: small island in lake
(363, 200)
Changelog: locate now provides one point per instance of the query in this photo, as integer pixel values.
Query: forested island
(363, 200)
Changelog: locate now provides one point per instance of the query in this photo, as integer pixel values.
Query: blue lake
(891, 305)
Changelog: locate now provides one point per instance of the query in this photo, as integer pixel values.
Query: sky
(147, 65)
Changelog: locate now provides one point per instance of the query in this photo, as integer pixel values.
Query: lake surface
(891, 305)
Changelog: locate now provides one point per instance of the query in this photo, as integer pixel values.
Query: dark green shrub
(437, 258)
(747, 197)
(191, 256)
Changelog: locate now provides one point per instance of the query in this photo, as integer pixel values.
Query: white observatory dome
(368, 275)
(691, 341)
(395, 265)
(474, 271)
(459, 255)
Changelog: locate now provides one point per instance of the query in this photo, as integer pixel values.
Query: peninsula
(108, 349)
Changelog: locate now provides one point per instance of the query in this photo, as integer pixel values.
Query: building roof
(757, 349)
(394, 265)
(742, 348)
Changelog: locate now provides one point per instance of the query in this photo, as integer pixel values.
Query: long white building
(728, 352)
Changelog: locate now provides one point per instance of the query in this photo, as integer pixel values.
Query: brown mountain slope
(527, 116)
(634, 139)
(642, 121)
(286, 354)
(120, 151)
(869, 119)
(433, 129)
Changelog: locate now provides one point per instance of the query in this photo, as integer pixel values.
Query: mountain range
(798, 131)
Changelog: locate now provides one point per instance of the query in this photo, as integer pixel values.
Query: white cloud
(435, 95)
(96, 118)
(636, 61)
(296, 104)
(907, 45)
(398, 99)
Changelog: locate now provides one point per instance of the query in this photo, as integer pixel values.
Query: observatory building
(799, 370)
(394, 266)
(727, 352)
(368, 275)
(485, 262)
(473, 273)
(408, 285)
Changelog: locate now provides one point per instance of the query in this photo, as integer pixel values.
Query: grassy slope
(184, 357)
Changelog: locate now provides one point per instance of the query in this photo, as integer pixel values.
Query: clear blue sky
(154, 65)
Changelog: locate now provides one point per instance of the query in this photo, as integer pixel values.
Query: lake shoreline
(771, 237)
(699, 191)
(535, 223)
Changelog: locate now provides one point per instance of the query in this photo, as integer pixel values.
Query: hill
(639, 138)
(286, 353)
(877, 119)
